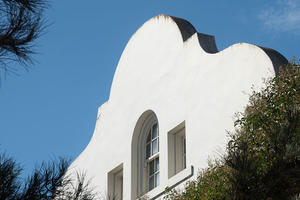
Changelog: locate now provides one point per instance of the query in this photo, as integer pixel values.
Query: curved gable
(179, 74)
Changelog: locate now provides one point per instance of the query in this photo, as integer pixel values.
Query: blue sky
(51, 110)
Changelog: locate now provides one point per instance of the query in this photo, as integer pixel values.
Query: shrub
(262, 159)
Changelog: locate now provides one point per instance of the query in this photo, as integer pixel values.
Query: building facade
(172, 101)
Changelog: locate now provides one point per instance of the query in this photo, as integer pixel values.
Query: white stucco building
(173, 97)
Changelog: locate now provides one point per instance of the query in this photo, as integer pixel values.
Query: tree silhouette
(21, 23)
(48, 182)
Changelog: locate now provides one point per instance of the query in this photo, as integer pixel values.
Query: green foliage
(264, 152)
(211, 183)
(262, 160)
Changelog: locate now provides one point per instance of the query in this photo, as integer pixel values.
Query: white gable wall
(179, 82)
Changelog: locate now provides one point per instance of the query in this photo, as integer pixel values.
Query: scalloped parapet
(180, 76)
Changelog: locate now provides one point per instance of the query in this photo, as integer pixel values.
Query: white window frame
(115, 183)
(176, 150)
(143, 161)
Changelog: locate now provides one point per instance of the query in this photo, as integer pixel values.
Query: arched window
(147, 153)
(145, 163)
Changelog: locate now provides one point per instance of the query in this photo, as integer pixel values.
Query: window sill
(180, 177)
(174, 181)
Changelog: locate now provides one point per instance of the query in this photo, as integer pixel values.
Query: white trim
(176, 150)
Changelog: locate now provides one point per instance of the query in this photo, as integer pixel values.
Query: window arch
(145, 155)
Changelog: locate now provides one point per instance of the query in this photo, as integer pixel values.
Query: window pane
(151, 183)
(157, 164)
(148, 150)
(154, 132)
(154, 147)
(151, 167)
(157, 179)
(148, 137)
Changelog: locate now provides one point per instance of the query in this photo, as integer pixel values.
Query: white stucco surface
(169, 68)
